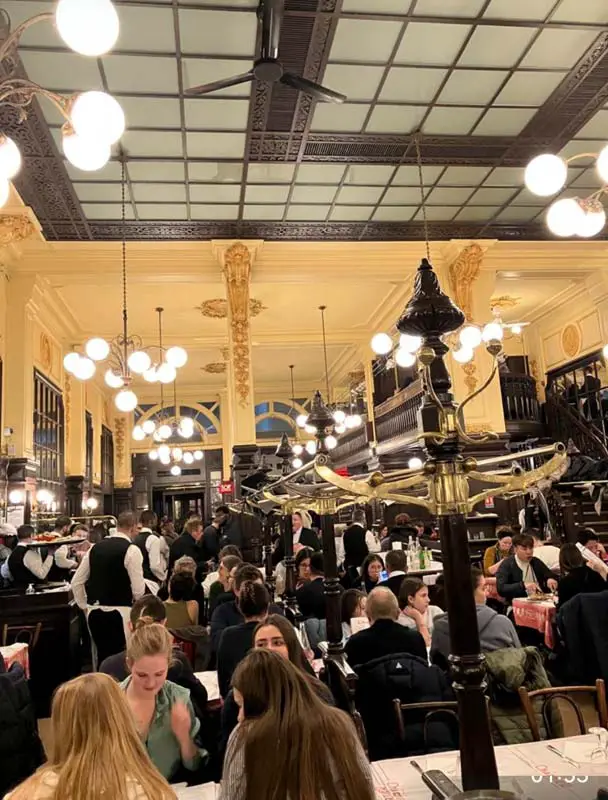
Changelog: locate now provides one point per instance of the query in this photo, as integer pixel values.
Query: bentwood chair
(564, 715)
(426, 713)
(29, 634)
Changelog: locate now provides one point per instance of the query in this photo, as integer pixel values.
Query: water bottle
(30, 589)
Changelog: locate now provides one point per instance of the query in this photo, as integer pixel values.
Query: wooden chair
(557, 694)
(188, 648)
(446, 708)
(342, 681)
(30, 634)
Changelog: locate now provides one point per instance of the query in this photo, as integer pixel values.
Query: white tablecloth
(209, 681)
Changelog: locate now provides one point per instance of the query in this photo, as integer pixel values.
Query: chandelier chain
(322, 310)
(160, 355)
(422, 203)
(124, 267)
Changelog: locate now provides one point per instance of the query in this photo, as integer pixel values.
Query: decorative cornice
(15, 228)
(463, 272)
(237, 273)
(217, 308)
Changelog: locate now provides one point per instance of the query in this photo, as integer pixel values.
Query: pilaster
(74, 392)
(123, 477)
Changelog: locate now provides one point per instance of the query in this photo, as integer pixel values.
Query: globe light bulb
(410, 343)
(149, 426)
(90, 27)
(139, 362)
(176, 470)
(157, 437)
(85, 154)
(565, 217)
(5, 191)
(126, 400)
(301, 420)
(353, 421)
(166, 373)
(297, 463)
(605, 351)
(339, 416)
(405, 358)
(153, 455)
(516, 329)
(331, 442)
(43, 496)
(310, 428)
(16, 497)
(10, 158)
(602, 164)
(311, 447)
(464, 355)
(414, 463)
(593, 221)
(70, 362)
(546, 175)
(492, 332)
(164, 459)
(187, 422)
(97, 116)
(198, 455)
(164, 451)
(97, 349)
(470, 337)
(113, 380)
(151, 375)
(188, 458)
(85, 369)
(164, 431)
(92, 503)
(176, 356)
(382, 344)
(138, 433)
(297, 449)
(177, 453)
(185, 432)
(340, 428)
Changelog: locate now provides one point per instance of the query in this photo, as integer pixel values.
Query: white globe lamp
(602, 164)
(166, 373)
(415, 463)
(339, 416)
(85, 154)
(113, 380)
(151, 375)
(176, 356)
(353, 421)
(176, 470)
(98, 117)
(410, 343)
(177, 453)
(297, 463)
(16, 497)
(164, 451)
(164, 431)
(97, 349)
(139, 362)
(165, 459)
(198, 455)
(297, 449)
(310, 429)
(594, 219)
(10, 158)
(70, 362)
(188, 458)
(139, 433)
(153, 455)
(301, 420)
(405, 358)
(90, 27)
(125, 400)
(492, 332)
(340, 428)
(311, 447)
(382, 344)
(85, 369)
(149, 426)
(545, 175)
(516, 329)
(470, 337)
(565, 217)
(331, 442)
(463, 355)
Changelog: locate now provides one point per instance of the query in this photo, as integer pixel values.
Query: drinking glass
(600, 752)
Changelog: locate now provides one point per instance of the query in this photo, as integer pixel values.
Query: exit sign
(226, 487)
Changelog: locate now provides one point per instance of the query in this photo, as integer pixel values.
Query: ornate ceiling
(489, 83)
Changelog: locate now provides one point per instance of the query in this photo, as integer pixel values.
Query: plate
(60, 540)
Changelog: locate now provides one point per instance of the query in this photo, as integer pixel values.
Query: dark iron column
(289, 595)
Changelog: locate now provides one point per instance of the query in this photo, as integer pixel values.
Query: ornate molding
(470, 376)
(46, 353)
(217, 308)
(237, 272)
(463, 272)
(571, 340)
(67, 408)
(504, 301)
(120, 425)
(14, 228)
(215, 368)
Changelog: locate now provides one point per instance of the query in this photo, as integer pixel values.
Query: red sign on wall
(226, 487)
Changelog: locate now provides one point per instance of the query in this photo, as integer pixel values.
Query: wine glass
(600, 752)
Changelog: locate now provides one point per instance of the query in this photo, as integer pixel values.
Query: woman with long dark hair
(289, 743)
(371, 572)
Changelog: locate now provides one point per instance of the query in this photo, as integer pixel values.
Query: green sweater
(161, 744)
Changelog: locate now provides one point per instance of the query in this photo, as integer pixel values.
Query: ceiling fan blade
(316, 90)
(207, 88)
(272, 18)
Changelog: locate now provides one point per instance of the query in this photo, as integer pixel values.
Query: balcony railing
(520, 405)
(353, 447)
(397, 418)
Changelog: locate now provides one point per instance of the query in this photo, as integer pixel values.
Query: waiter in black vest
(26, 564)
(154, 550)
(111, 573)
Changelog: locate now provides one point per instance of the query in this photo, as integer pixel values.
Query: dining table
(536, 614)
(17, 653)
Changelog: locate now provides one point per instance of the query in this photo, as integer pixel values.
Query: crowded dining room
(303, 423)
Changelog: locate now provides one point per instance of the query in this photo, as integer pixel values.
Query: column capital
(229, 251)
(463, 270)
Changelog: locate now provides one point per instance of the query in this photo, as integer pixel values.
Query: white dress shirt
(134, 564)
(158, 564)
(33, 561)
(62, 559)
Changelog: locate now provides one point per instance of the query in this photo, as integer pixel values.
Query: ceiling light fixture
(94, 120)
(569, 216)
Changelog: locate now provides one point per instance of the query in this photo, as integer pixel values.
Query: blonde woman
(93, 730)
(162, 710)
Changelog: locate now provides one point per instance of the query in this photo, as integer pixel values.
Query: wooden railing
(565, 424)
(353, 447)
(520, 404)
(397, 418)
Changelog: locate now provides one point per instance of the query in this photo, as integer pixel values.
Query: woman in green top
(181, 609)
(162, 710)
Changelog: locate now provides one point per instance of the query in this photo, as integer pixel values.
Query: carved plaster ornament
(504, 302)
(534, 370)
(571, 340)
(237, 271)
(215, 367)
(217, 308)
(470, 372)
(46, 353)
(67, 407)
(14, 228)
(463, 272)
(119, 439)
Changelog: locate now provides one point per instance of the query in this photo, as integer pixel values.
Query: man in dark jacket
(356, 548)
(311, 597)
(396, 566)
(385, 636)
(305, 537)
(188, 545)
(522, 574)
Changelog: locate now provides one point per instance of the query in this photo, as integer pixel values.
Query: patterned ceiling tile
(155, 171)
(320, 173)
(464, 86)
(588, 179)
(577, 146)
(518, 214)
(395, 213)
(351, 213)
(106, 211)
(519, 9)
(437, 213)
(212, 145)
(220, 113)
(216, 193)
(451, 121)
(446, 43)
(141, 74)
(477, 213)
(263, 212)
(102, 192)
(346, 118)
(491, 196)
(163, 192)
(594, 11)
(369, 175)
(111, 172)
(356, 82)
(266, 194)
(151, 112)
(559, 48)
(596, 128)
(456, 8)
(504, 121)
(197, 71)
(42, 35)
(217, 33)
(496, 46)
(65, 72)
(235, 3)
(162, 211)
(464, 176)
(307, 213)
(146, 29)
(270, 173)
(395, 119)
(157, 144)
(408, 176)
(526, 198)
(375, 38)
(212, 212)
(412, 84)
(441, 196)
(529, 88)
(313, 194)
(377, 6)
(359, 194)
(506, 176)
(226, 172)
(402, 195)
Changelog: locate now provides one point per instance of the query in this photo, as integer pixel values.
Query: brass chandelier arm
(549, 449)
(488, 477)
(423, 502)
(406, 483)
(429, 388)
(13, 38)
(482, 388)
(28, 89)
(357, 488)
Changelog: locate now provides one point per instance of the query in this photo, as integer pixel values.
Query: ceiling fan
(267, 67)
